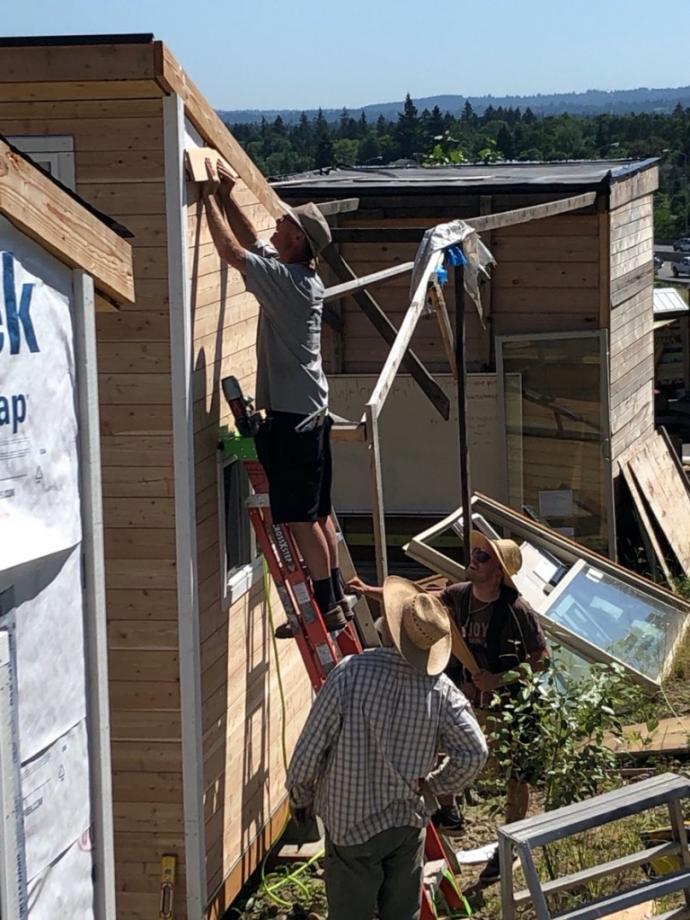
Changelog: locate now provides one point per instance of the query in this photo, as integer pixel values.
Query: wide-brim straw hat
(419, 625)
(313, 224)
(506, 551)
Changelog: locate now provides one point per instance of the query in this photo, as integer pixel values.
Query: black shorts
(298, 466)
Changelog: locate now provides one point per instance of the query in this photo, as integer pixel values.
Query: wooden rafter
(171, 76)
(389, 333)
(43, 211)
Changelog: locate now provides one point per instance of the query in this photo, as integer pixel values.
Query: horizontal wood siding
(631, 325)
(242, 719)
(546, 280)
(119, 169)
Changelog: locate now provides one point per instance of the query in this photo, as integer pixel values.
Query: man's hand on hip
(485, 680)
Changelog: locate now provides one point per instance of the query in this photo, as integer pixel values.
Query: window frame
(237, 581)
(55, 149)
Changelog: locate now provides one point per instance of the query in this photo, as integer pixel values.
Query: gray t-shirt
(289, 375)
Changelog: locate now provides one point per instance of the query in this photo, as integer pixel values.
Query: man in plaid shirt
(367, 761)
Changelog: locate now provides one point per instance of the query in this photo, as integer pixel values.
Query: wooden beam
(349, 432)
(389, 333)
(195, 162)
(75, 90)
(52, 63)
(337, 206)
(355, 284)
(47, 214)
(173, 79)
(646, 522)
(644, 183)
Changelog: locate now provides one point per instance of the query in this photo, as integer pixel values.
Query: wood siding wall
(547, 280)
(119, 167)
(631, 338)
(243, 759)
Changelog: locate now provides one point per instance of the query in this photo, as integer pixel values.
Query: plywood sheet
(419, 449)
(666, 491)
(669, 737)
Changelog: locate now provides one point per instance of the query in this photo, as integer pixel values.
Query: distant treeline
(434, 137)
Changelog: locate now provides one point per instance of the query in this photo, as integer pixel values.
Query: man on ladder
(367, 759)
(293, 443)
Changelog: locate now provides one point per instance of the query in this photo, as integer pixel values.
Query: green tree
(407, 129)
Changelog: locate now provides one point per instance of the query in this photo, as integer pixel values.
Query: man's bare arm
(240, 223)
(226, 243)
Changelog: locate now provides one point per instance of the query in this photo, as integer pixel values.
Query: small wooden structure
(671, 340)
(59, 258)
(569, 325)
(195, 712)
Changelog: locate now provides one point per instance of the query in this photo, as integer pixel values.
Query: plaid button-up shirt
(375, 730)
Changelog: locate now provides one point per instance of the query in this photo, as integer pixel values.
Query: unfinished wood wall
(631, 337)
(107, 98)
(243, 760)
(547, 279)
(119, 169)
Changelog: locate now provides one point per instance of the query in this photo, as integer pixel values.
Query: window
(596, 610)
(554, 399)
(55, 154)
(238, 546)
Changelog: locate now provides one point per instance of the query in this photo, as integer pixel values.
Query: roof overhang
(48, 214)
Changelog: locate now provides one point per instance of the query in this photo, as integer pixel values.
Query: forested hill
(498, 133)
(591, 102)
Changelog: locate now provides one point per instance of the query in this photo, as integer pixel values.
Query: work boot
(448, 820)
(492, 870)
(335, 619)
(284, 631)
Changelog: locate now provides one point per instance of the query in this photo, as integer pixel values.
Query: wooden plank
(646, 523)
(195, 163)
(133, 695)
(173, 78)
(90, 134)
(633, 282)
(77, 90)
(666, 492)
(125, 166)
(57, 222)
(639, 186)
(338, 206)
(83, 63)
(82, 109)
(388, 331)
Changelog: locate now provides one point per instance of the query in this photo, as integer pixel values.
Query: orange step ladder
(320, 650)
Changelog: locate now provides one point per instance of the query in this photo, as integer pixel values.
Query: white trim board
(185, 507)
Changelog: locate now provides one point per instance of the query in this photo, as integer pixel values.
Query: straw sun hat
(506, 551)
(419, 625)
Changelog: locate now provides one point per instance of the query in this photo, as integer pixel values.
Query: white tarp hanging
(39, 487)
(48, 617)
(55, 793)
(64, 888)
(41, 590)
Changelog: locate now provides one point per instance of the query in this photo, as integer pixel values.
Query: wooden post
(465, 484)
(376, 486)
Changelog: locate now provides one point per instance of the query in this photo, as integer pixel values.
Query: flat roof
(120, 38)
(569, 176)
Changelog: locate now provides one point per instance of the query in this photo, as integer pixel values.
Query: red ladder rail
(320, 650)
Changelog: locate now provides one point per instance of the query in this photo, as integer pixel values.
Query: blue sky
(301, 54)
